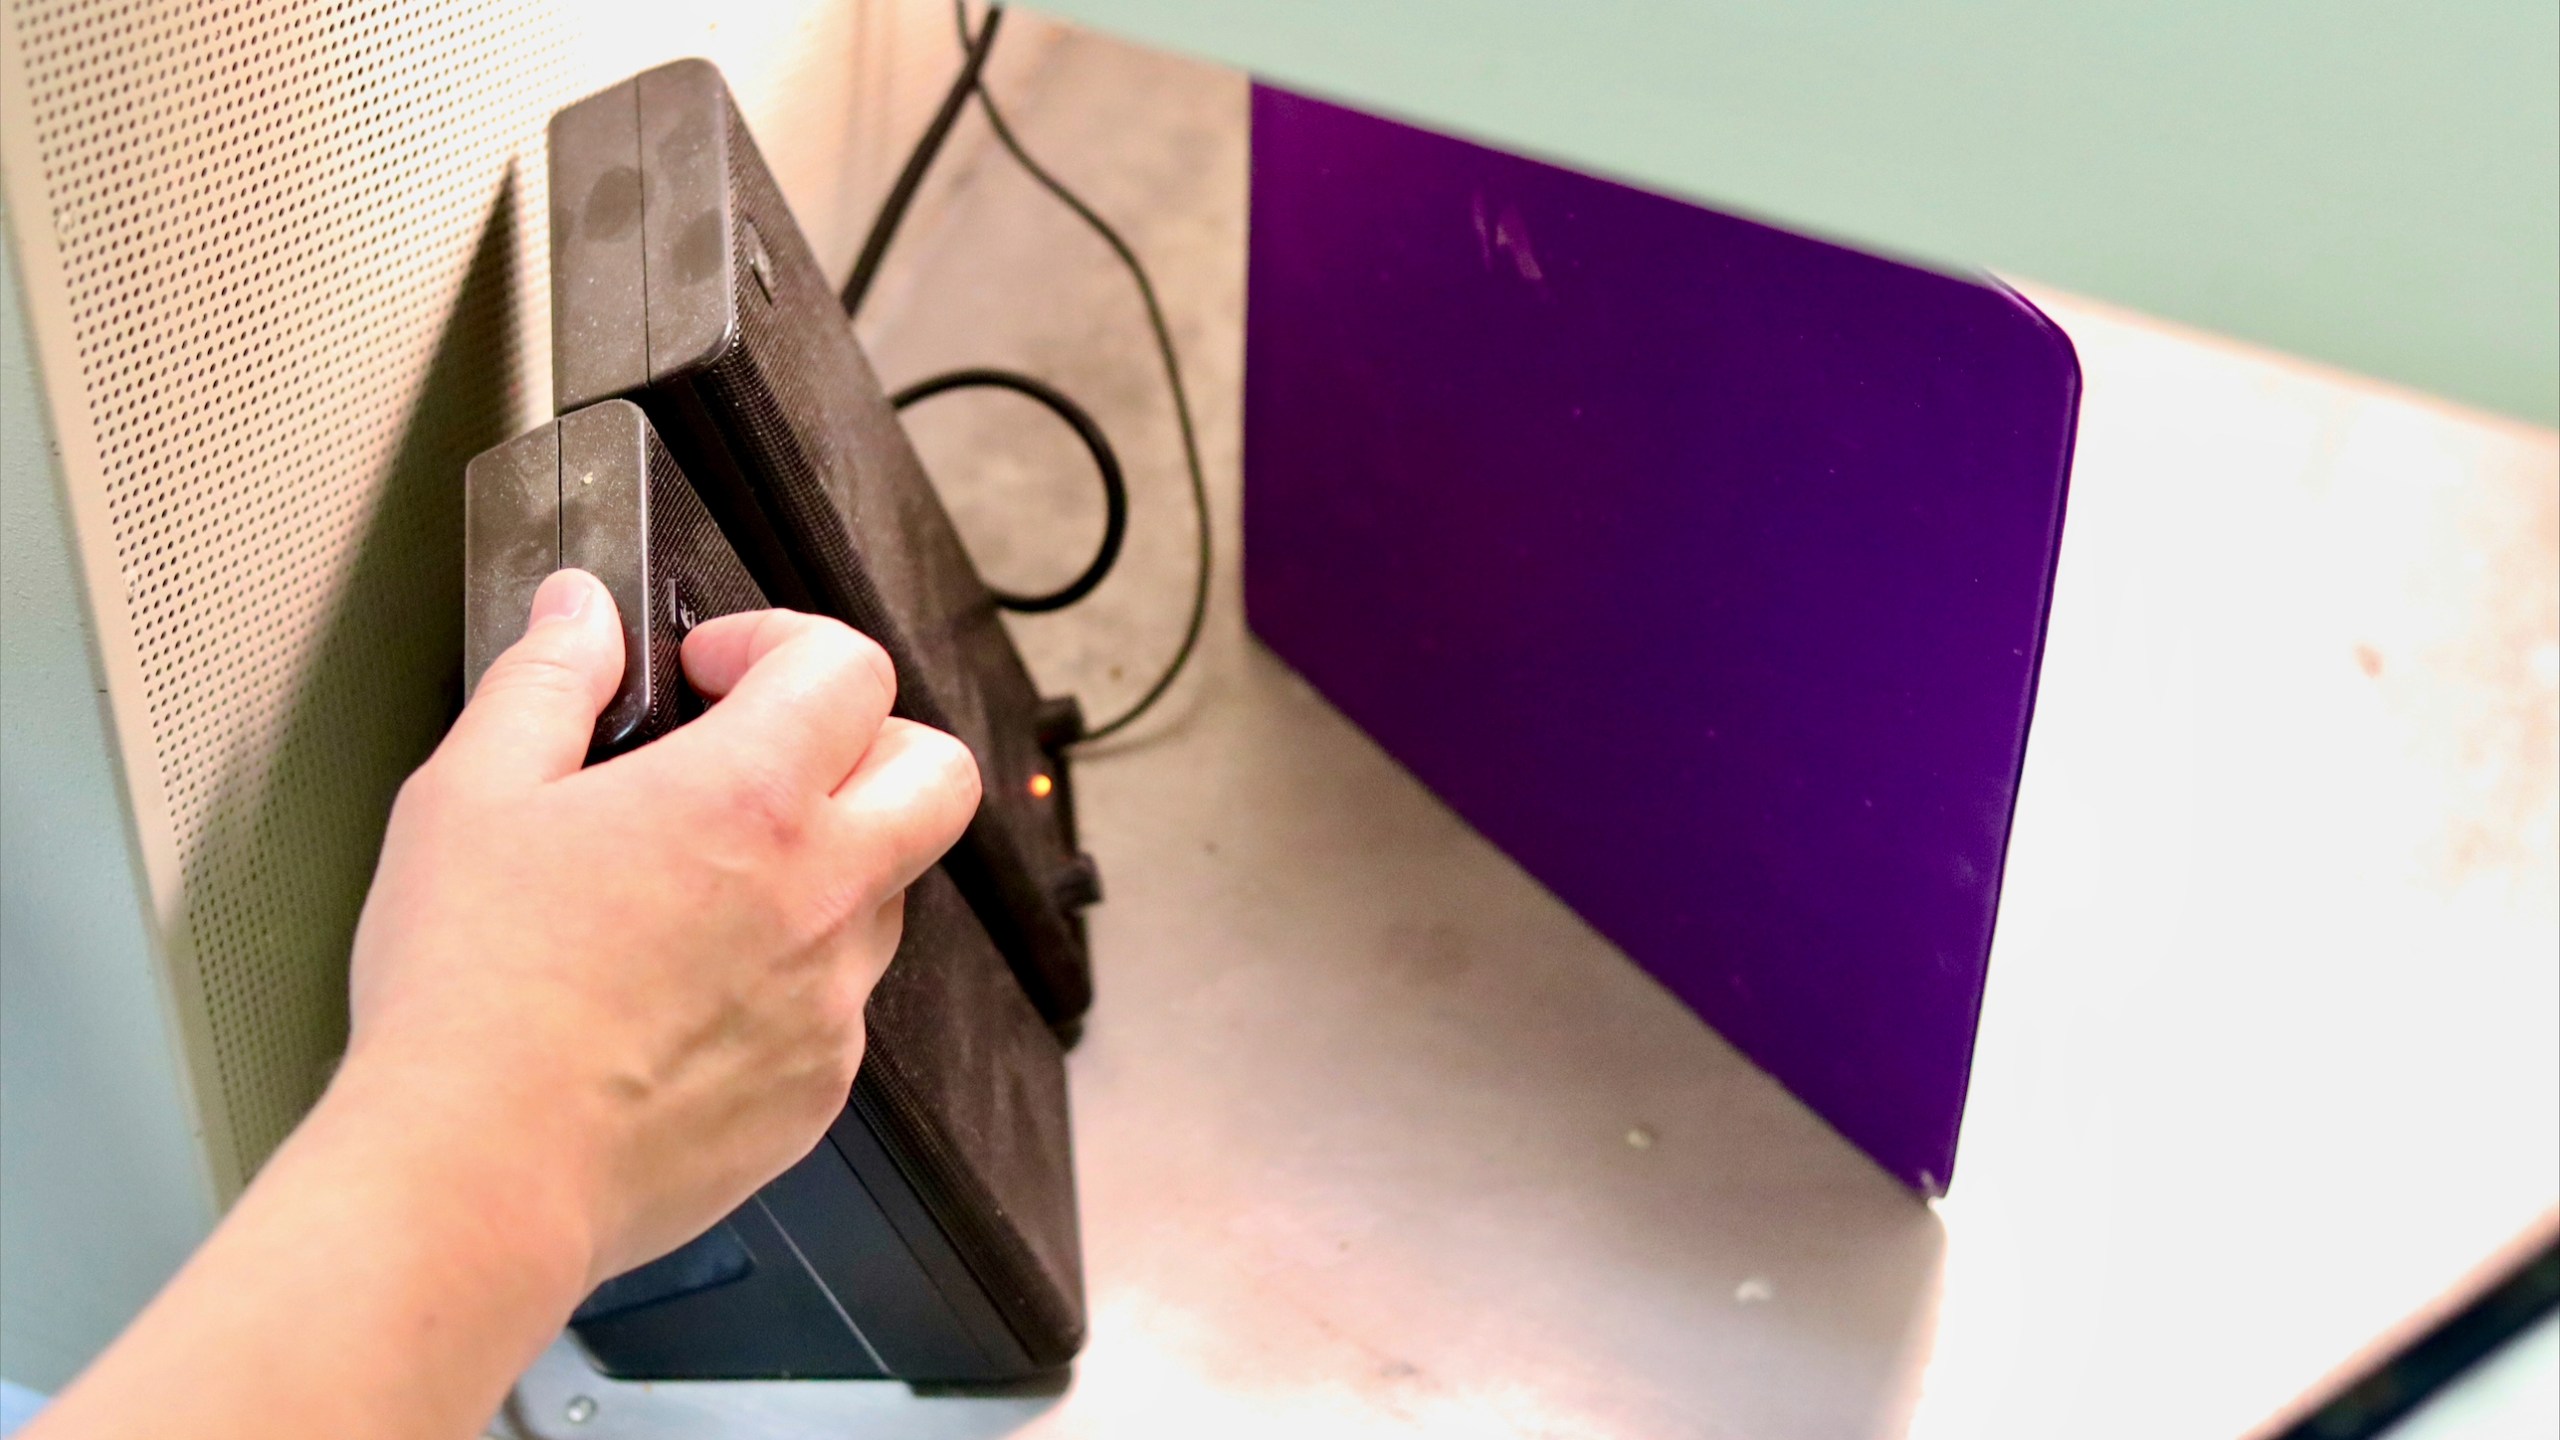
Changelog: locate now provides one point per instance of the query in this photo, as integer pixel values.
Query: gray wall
(100, 1193)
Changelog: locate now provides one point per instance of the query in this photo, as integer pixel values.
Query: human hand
(646, 979)
(593, 1010)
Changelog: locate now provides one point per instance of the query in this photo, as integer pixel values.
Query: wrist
(395, 1265)
(483, 1156)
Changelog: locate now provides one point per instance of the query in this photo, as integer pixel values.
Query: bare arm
(592, 1011)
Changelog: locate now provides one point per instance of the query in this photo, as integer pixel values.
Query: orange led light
(1041, 785)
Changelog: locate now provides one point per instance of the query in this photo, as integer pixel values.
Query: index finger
(800, 696)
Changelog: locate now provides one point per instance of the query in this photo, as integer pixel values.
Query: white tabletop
(1376, 1139)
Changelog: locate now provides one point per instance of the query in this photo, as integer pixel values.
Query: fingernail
(563, 596)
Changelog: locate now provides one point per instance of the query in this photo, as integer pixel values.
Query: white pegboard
(286, 271)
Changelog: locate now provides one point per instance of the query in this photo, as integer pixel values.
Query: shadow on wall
(295, 828)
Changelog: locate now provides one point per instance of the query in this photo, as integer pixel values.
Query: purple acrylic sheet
(1701, 566)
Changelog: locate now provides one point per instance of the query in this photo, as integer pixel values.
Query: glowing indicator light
(1040, 787)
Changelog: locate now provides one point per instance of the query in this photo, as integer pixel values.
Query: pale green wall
(101, 1193)
(2374, 183)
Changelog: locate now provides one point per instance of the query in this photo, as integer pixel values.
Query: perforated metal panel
(286, 274)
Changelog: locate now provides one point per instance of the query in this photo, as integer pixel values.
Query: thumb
(535, 712)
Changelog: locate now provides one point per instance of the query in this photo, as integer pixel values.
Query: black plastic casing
(680, 280)
(596, 490)
(931, 1237)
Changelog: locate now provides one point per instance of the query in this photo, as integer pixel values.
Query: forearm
(390, 1272)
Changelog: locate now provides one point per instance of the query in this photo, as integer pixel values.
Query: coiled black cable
(1115, 490)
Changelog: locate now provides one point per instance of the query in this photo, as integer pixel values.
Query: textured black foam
(984, 1135)
(763, 395)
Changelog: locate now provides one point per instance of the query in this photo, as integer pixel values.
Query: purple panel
(1701, 566)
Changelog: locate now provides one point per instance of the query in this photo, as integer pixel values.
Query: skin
(592, 1011)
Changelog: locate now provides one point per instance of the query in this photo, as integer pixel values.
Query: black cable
(875, 248)
(1164, 351)
(893, 211)
(2428, 1365)
(1115, 490)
